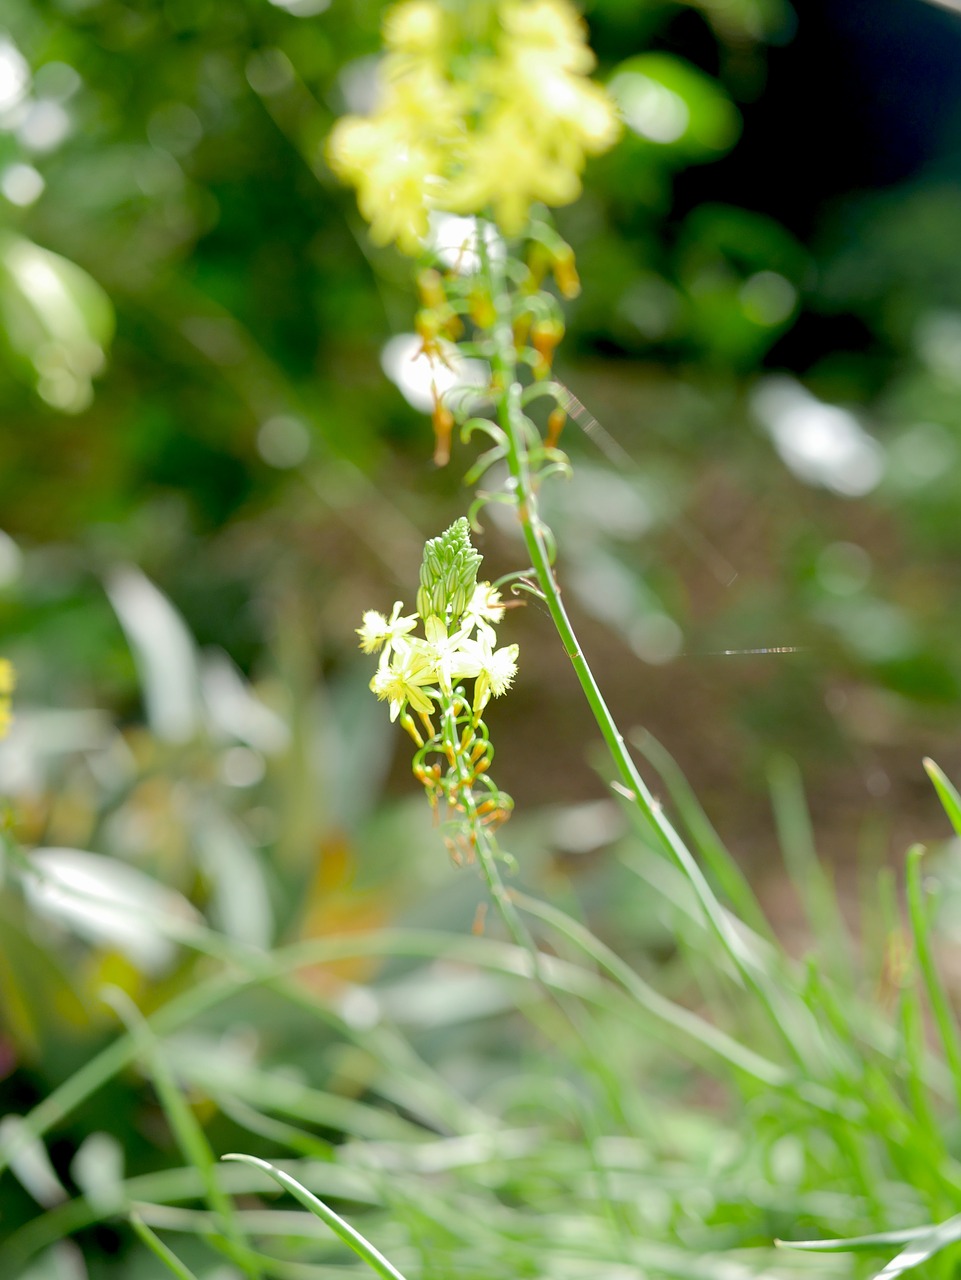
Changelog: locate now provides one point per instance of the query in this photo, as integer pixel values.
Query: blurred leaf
(857, 1244)
(944, 1016)
(98, 1170)
(108, 903)
(742, 273)
(675, 108)
(57, 320)
(165, 654)
(735, 20)
(234, 708)
(38, 996)
(31, 1164)
(925, 1243)
(239, 894)
(185, 1126)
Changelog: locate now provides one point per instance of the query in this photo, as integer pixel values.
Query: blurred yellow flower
(7, 681)
(378, 630)
(394, 157)
(512, 122)
(417, 27)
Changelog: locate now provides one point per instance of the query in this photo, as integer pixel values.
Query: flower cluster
(7, 682)
(484, 105)
(423, 674)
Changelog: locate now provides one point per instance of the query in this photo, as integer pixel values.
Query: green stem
(510, 416)
(483, 842)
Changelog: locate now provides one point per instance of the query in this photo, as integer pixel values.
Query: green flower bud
(448, 574)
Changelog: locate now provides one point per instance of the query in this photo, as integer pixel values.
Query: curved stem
(511, 418)
(482, 841)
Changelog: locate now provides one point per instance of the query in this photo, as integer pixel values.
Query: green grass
(588, 1120)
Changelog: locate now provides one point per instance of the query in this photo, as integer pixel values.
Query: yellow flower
(495, 669)
(7, 681)
(500, 669)
(507, 166)
(391, 172)
(445, 653)
(405, 678)
(540, 79)
(376, 630)
(511, 124)
(550, 28)
(484, 607)
(416, 27)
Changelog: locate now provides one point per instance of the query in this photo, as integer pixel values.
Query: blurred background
(209, 467)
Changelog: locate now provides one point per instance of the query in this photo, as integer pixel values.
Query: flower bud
(443, 423)
(448, 574)
(565, 272)
(430, 286)
(555, 425)
(482, 310)
(546, 335)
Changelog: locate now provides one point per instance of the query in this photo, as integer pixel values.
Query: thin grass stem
(937, 998)
(160, 1250)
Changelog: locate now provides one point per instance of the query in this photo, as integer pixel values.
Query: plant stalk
(510, 419)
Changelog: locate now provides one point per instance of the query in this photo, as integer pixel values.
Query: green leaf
(742, 274)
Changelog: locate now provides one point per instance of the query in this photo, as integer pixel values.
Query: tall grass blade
(160, 1250)
(864, 1244)
(813, 884)
(948, 795)
(923, 1243)
(722, 866)
(666, 1011)
(937, 997)
(914, 1048)
(186, 1128)
(351, 1237)
(750, 958)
